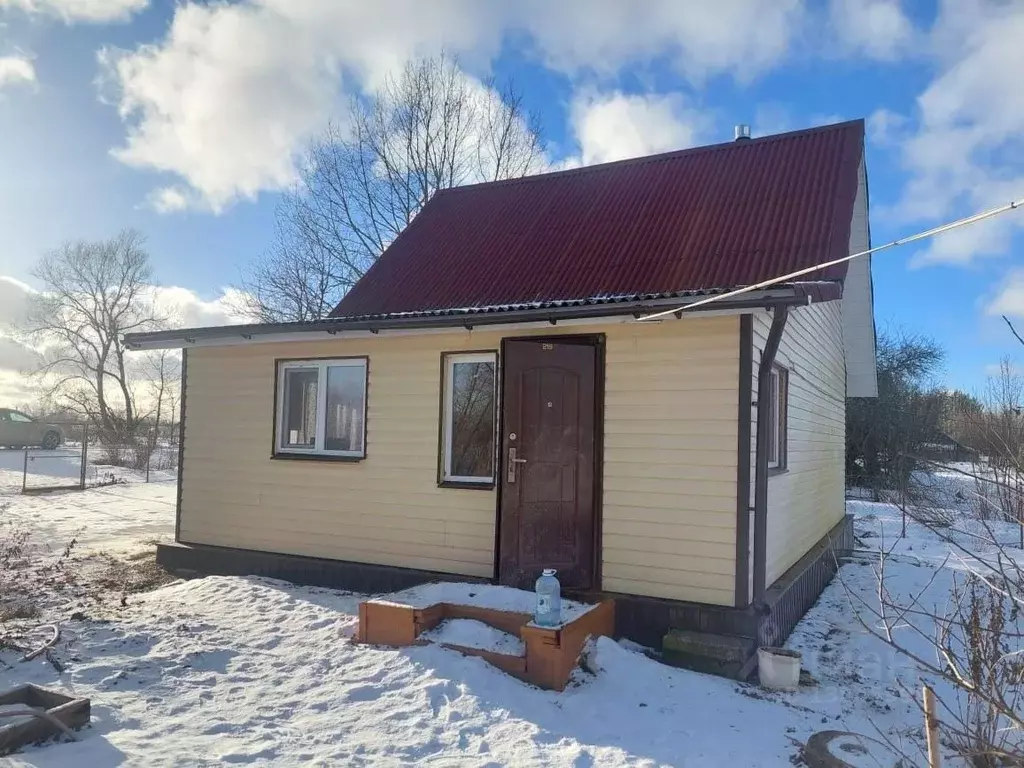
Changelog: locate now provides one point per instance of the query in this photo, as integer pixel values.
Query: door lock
(512, 461)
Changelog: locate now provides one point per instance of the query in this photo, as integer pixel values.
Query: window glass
(346, 395)
(300, 402)
(773, 416)
(469, 417)
(321, 407)
(778, 394)
(20, 417)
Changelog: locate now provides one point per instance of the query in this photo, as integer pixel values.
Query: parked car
(18, 430)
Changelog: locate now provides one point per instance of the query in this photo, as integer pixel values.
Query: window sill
(315, 457)
(488, 486)
(773, 471)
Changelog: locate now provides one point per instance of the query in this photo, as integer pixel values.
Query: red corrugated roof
(714, 217)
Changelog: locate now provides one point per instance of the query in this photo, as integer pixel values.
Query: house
(488, 400)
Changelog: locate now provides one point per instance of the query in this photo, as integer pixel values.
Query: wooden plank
(73, 712)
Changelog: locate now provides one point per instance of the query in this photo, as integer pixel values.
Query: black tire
(51, 440)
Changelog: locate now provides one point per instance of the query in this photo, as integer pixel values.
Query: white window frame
(451, 359)
(778, 392)
(281, 446)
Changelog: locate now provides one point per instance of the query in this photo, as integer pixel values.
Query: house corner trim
(764, 369)
(181, 444)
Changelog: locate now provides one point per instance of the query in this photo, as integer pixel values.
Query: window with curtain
(321, 407)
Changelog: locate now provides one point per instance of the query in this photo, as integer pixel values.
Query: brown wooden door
(548, 463)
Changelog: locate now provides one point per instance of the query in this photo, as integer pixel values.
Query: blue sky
(185, 119)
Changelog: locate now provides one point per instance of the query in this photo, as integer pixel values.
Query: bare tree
(162, 372)
(969, 636)
(430, 128)
(93, 293)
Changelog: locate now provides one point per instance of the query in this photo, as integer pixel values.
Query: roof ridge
(656, 158)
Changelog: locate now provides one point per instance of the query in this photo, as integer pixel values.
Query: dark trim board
(795, 294)
(793, 593)
(181, 442)
(645, 620)
(202, 560)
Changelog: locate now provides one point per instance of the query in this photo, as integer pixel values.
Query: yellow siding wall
(669, 503)
(807, 500)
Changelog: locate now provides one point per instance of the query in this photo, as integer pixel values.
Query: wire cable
(801, 272)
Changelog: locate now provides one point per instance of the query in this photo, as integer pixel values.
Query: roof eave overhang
(792, 294)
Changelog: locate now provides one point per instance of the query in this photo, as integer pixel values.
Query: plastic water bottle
(549, 600)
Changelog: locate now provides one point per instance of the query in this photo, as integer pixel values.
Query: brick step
(726, 655)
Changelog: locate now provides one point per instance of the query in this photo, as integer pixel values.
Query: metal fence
(82, 461)
(57, 469)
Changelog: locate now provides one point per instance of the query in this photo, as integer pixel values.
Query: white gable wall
(807, 499)
(858, 303)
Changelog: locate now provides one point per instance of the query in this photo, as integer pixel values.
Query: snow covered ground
(245, 670)
(254, 671)
(63, 467)
(470, 633)
(120, 517)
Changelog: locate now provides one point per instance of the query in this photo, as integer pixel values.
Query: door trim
(596, 340)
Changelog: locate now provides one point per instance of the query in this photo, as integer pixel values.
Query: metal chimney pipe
(742, 132)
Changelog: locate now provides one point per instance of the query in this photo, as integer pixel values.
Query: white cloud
(614, 126)
(965, 150)
(16, 390)
(228, 98)
(90, 11)
(1009, 299)
(16, 70)
(184, 307)
(740, 37)
(878, 29)
(169, 199)
(15, 356)
(885, 127)
(773, 117)
(14, 300)
(188, 310)
(996, 370)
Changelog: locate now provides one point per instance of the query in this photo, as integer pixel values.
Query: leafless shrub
(989, 640)
(975, 638)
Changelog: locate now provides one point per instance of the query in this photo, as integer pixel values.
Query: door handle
(512, 461)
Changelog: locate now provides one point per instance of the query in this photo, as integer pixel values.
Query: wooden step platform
(551, 653)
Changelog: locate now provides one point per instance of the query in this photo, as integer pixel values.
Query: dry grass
(42, 586)
(130, 574)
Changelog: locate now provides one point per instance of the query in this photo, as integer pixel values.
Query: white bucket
(778, 668)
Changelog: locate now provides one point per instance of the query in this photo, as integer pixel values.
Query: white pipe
(801, 272)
